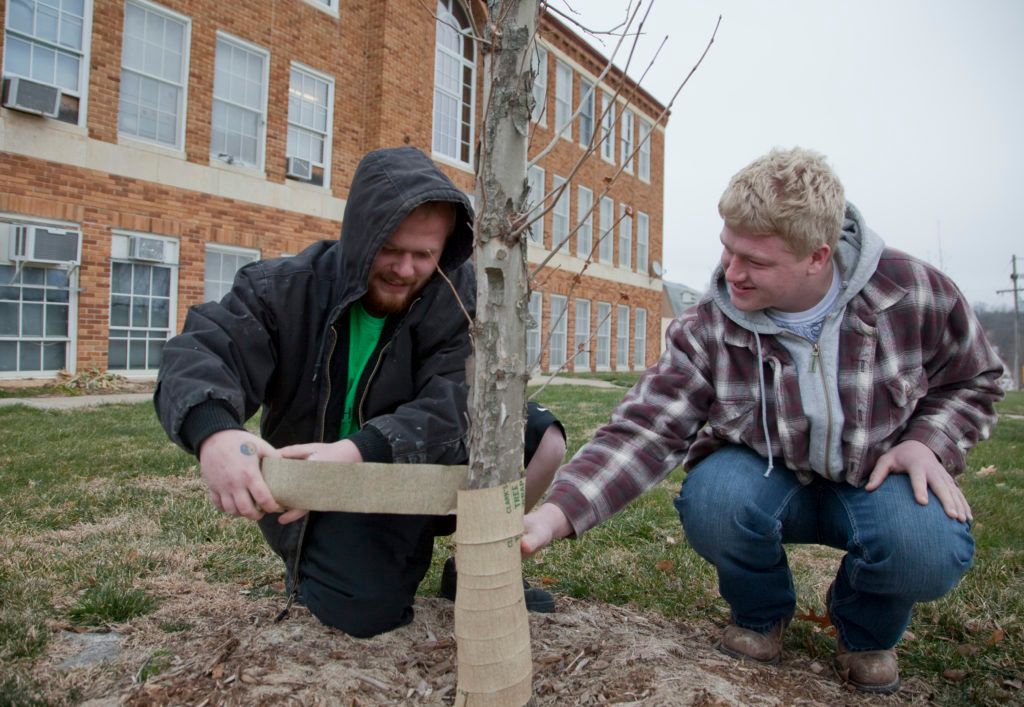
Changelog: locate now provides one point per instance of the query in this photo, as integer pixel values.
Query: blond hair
(793, 194)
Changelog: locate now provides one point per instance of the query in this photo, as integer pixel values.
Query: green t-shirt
(363, 333)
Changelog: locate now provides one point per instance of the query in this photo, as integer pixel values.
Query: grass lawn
(98, 505)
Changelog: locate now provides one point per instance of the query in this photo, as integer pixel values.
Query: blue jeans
(898, 552)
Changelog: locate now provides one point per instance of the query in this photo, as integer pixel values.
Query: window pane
(137, 354)
(121, 278)
(140, 279)
(8, 356)
(32, 320)
(140, 313)
(19, 16)
(117, 354)
(54, 356)
(160, 313)
(162, 282)
(56, 320)
(119, 305)
(9, 318)
(30, 354)
(156, 349)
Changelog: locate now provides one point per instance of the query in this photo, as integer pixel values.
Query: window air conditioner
(142, 248)
(300, 168)
(36, 244)
(31, 96)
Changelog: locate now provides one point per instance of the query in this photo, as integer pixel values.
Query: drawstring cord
(764, 406)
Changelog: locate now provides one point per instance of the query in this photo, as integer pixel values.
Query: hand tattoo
(247, 449)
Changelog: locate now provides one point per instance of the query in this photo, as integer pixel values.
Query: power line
(1015, 278)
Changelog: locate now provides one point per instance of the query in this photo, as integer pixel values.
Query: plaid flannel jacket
(914, 363)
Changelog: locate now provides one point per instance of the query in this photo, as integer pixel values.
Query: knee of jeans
(355, 618)
(920, 566)
(718, 525)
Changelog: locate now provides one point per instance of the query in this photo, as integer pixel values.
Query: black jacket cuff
(204, 420)
(372, 445)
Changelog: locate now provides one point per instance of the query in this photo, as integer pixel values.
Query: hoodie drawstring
(764, 405)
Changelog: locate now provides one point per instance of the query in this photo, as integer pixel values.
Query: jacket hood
(857, 253)
(387, 186)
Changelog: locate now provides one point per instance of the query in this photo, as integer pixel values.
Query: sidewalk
(69, 402)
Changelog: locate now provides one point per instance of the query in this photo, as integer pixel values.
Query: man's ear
(819, 259)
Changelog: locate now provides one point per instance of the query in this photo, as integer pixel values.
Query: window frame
(585, 221)
(581, 357)
(563, 99)
(645, 136)
(327, 135)
(607, 127)
(172, 303)
(533, 201)
(622, 352)
(639, 338)
(534, 337)
(559, 332)
(561, 210)
(606, 248)
(587, 104)
(643, 240)
(223, 249)
(625, 238)
(83, 54)
(445, 21)
(261, 140)
(626, 140)
(539, 63)
(603, 337)
(186, 39)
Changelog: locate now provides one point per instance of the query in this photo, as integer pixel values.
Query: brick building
(173, 142)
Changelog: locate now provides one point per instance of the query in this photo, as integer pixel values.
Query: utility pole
(1015, 278)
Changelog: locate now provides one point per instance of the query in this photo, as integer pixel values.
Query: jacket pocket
(731, 419)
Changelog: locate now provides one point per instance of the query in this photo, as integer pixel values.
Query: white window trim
(607, 244)
(539, 115)
(561, 242)
(185, 59)
(172, 320)
(625, 225)
(643, 267)
(329, 135)
(562, 324)
(587, 97)
(468, 165)
(226, 250)
(598, 323)
(330, 7)
(83, 67)
(538, 226)
(644, 154)
(639, 362)
(249, 46)
(539, 331)
(585, 219)
(607, 128)
(564, 130)
(622, 361)
(73, 291)
(627, 137)
(581, 359)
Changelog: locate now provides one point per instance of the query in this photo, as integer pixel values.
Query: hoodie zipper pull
(814, 358)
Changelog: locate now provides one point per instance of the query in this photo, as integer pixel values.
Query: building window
(142, 307)
(533, 331)
(310, 98)
(626, 136)
(642, 241)
(640, 339)
(586, 112)
(560, 216)
(622, 338)
(534, 198)
(625, 239)
(539, 64)
(239, 103)
(45, 41)
(607, 128)
(154, 69)
(563, 99)
(604, 336)
(581, 345)
(454, 83)
(585, 215)
(222, 262)
(559, 327)
(607, 245)
(644, 155)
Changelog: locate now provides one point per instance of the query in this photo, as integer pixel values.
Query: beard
(379, 302)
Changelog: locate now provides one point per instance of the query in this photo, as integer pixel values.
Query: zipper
(327, 382)
(815, 355)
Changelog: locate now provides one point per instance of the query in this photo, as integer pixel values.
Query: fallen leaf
(997, 636)
(987, 470)
(665, 565)
(547, 581)
(954, 675)
(218, 671)
(811, 615)
(967, 650)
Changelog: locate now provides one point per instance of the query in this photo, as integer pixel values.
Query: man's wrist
(554, 519)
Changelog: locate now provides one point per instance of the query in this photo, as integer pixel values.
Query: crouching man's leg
(358, 572)
(737, 519)
(899, 553)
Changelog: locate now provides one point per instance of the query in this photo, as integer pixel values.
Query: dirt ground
(585, 654)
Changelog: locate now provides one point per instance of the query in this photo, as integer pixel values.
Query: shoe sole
(722, 648)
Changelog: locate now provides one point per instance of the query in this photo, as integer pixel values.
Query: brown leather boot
(743, 643)
(868, 671)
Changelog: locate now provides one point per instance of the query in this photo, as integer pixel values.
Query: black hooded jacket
(280, 337)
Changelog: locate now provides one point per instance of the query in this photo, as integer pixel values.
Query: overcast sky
(918, 104)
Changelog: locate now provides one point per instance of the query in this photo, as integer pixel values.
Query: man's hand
(229, 461)
(541, 526)
(919, 463)
(341, 451)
